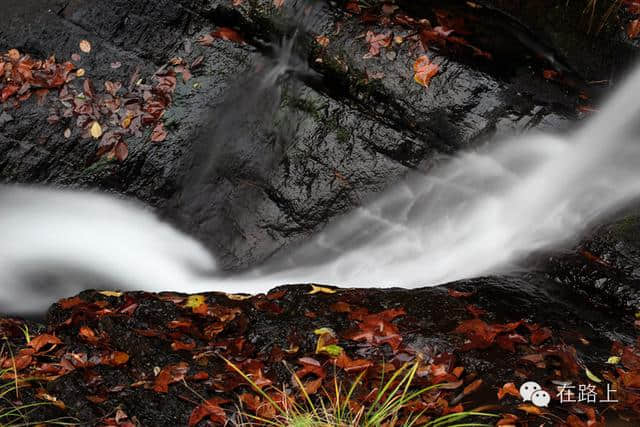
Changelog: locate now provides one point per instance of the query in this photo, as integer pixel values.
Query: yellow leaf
(80, 72)
(194, 301)
(238, 297)
(85, 46)
(324, 331)
(110, 293)
(126, 122)
(96, 130)
(591, 376)
(292, 349)
(320, 289)
(614, 360)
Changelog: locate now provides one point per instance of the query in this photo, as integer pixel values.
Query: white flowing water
(476, 214)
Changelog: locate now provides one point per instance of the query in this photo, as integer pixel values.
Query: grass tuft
(339, 409)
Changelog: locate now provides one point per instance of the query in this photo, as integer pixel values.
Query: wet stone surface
(328, 142)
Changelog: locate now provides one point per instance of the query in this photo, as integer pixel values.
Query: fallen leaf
(110, 293)
(238, 297)
(121, 151)
(96, 130)
(424, 70)
(14, 55)
(210, 408)
(39, 342)
(540, 335)
(322, 40)
(85, 46)
(614, 360)
(158, 134)
(508, 389)
(320, 289)
(633, 28)
(194, 301)
(376, 41)
(226, 33)
(530, 409)
(472, 387)
(168, 375)
(459, 294)
(591, 376)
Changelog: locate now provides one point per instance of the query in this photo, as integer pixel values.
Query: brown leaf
(168, 375)
(633, 28)
(87, 334)
(43, 340)
(121, 151)
(459, 294)
(210, 408)
(472, 387)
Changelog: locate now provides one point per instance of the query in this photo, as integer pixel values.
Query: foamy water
(476, 214)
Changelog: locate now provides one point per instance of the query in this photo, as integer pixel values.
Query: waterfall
(477, 213)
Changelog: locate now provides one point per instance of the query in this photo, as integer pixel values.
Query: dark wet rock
(605, 263)
(347, 135)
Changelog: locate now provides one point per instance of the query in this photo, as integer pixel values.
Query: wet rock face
(343, 129)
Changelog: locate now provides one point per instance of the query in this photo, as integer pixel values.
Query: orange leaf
(424, 70)
(508, 389)
(226, 33)
(43, 340)
(633, 28)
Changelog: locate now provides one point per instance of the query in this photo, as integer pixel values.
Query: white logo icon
(541, 399)
(527, 389)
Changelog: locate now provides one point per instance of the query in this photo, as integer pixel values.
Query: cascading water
(476, 214)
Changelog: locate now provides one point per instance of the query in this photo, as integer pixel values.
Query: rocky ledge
(111, 358)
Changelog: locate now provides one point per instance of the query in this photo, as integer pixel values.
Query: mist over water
(477, 213)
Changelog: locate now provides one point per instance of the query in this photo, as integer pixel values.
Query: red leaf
(350, 365)
(168, 375)
(226, 33)
(210, 408)
(475, 310)
(540, 335)
(459, 294)
(159, 134)
(633, 28)
(8, 91)
(181, 345)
